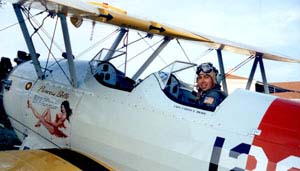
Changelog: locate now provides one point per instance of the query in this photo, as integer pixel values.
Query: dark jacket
(210, 99)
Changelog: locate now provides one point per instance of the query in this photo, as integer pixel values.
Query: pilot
(209, 94)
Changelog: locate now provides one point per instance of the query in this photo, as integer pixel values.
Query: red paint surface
(280, 132)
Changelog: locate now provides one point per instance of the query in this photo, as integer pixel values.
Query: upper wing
(107, 14)
(247, 50)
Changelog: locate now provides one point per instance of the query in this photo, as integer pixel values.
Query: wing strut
(258, 59)
(221, 65)
(70, 58)
(116, 43)
(28, 40)
(151, 58)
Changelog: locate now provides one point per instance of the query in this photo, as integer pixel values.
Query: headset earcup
(219, 78)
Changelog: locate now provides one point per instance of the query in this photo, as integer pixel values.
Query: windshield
(175, 68)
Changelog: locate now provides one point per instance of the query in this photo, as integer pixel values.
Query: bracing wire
(9, 26)
(41, 25)
(143, 51)
(48, 35)
(50, 52)
(49, 48)
(45, 32)
(135, 41)
(51, 45)
(28, 14)
(153, 49)
(206, 52)
(184, 52)
(244, 62)
(97, 43)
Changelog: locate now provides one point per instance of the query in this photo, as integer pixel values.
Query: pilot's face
(204, 82)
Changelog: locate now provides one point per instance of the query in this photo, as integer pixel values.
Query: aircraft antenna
(93, 29)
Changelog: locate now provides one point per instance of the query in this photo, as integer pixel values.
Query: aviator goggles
(206, 68)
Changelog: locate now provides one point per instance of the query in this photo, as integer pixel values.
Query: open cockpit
(174, 88)
(170, 80)
(108, 75)
(174, 85)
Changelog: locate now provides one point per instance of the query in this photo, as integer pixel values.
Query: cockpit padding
(172, 87)
(109, 76)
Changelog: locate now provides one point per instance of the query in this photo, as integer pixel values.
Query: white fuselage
(138, 130)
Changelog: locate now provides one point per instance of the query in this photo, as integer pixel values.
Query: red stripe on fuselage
(280, 132)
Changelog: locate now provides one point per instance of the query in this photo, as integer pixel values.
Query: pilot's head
(206, 76)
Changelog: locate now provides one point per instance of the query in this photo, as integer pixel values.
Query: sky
(272, 25)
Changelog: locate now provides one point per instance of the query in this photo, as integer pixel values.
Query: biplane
(114, 121)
